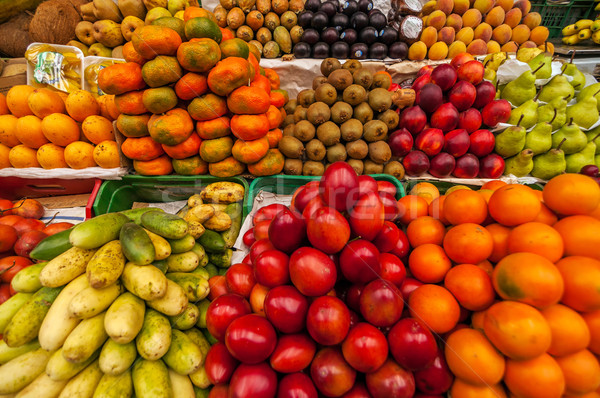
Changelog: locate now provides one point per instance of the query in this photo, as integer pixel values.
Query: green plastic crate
(120, 195)
(286, 185)
(556, 16)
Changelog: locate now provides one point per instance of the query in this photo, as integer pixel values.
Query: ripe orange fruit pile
(198, 106)
(510, 278)
(50, 129)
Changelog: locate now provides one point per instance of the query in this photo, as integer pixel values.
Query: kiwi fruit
(357, 165)
(380, 99)
(372, 167)
(389, 117)
(340, 79)
(354, 94)
(394, 168)
(293, 167)
(317, 81)
(379, 152)
(375, 130)
(315, 150)
(363, 78)
(329, 65)
(289, 119)
(318, 113)
(351, 130)
(291, 147)
(329, 133)
(299, 113)
(289, 129)
(290, 107)
(312, 168)
(352, 65)
(363, 113)
(326, 93)
(381, 80)
(341, 112)
(304, 131)
(336, 153)
(357, 149)
(306, 97)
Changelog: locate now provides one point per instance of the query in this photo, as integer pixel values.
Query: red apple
(430, 97)
(444, 76)
(469, 120)
(425, 70)
(482, 143)
(400, 142)
(491, 166)
(441, 165)
(467, 166)
(457, 142)
(421, 81)
(471, 72)
(413, 119)
(415, 163)
(430, 141)
(460, 59)
(445, 117)
(462, 95)
(486, 92)
(497, 111)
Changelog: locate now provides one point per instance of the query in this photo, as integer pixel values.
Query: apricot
(471, 18)
(532, 20)
(510, 47)
(461, 6)
(417, 51)
(429, 36)
(548, 47)
(520, 34)
(446, 35)
(437, 19)
(429, 7)
(455, 22)
(477, 47)
(465, 35)
(456, 48)
(483, 32)
(528, 44)
(506, 5)
(446, 6)
(484, 6)
(513, 17)
(524, 5)
(502, 34)
(496, 16)
(493, 47)
(438, 51)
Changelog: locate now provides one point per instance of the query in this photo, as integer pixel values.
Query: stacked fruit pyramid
(198, 106)
(50, 129)
(271, 25)
(119, 306)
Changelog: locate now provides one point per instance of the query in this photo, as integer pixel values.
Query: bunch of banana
(581, 30)
(119, 308)
(47, 60)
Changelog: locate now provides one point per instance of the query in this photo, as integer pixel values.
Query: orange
(581, 235)
(271, 164)
(468, 243)
(581, 370)
(8, 130)
(277, 99)
(570, 194)
(411, 207)
(477, 319)
(493, 185)
(249, 127)
(131, 55)
(262, 82)
(528, 278)
(108, 109)
(152, 40)
(500, 238)
(51, 156)
(581, 276)
(518, 330)
(155, 167)
(21, 156)
(190, 86)
(570, 333)
(171, 128)
(487, 267)
(133, 125)
(461, 389)
(3, 107)
(275, 117)
(229, 74)
(425, 229)
(436, 209)
(250, 151)
(197, 12)
(29, 131)
(106, 154)
(81, 104)
(131, 103)
(428, 263)
(274, 136)
(215, 128)
(538, 238)
(16, 100)
(190, 166)
(228, 167)
(143, 148)
(538, 377)
(185, 149)
(44, 102)
(159, 99)
(465, 206)
(4, 151)
(435, 306)
(472, 358)
(514, 204)
(97, 129)
(60, 129)
(545, 216)
(273, 78)
(120, 78)
(592, 319)
(247, 100)
(80, 155)
(200, 55)
(471, 286)
(426, 190)
(207, 107)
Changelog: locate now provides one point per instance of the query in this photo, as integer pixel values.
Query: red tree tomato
(366, 183)
(249, 238)
(312, 272)
(293, 353)
(287, 231)
(11, 265)
(367, 216)
(257, 298)
(408, 286)
(359, 261)
(258, 247)
(358, 391)
(386, 186)
(391, 209)
(436, 378)
(381, 303)
(402, 246)
(331, 373)
(4, 292)
(11, 219)
(218, 286)
(388, 236)
(8, 237)
(311, 207)
(261, 230)
(412, 344)
(339, 186)
(328, 230)
(303, 195)
(286, 308)
(250, 338)
(271, 268)
(353, 296)
(392, 269)
(222, 311)
(28, 241)
(296, 385)
(28, 224)
(219, 391)
(267, 213)
(252, 381)
(240, 279)
(5, 206)
(365, 348)
(328, 320)
(219, 364)
(391, 380)
(57, 227)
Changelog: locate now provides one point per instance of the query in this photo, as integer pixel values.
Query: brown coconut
(54, 22)
(15, 35)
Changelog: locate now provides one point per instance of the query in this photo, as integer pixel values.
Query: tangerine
(428, 263)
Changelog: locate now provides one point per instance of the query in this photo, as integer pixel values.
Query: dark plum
(312, 5)
(365, 5)
(340, 50)
(302, 50)
(330, 35)
(378, 20)
(311, 36)
(340, 21)
(359, 51)
(350, 7)
(378, 51)
(368, 35)
(321, 50)
(319, 21)
(305, 18)
(398, 50)
(388, 35)
(359, 21)
(328, 8)
(349, 36)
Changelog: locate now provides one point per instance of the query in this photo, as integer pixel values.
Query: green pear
(155, 13)
(597, 160)
(108, 33)
(582, 158)
(511, 141)
(493, 61)
(526, 54)
(576, 140)
(554, 112)
(135, 8)
(539, 139)
(519, 165)
(521, 89)
(542, 59)
(177, 5)
(549, 164)
(594, 136)
(557, 87)
(592, 89)
(578, 81)
(585, 112)
(490, 75)
(528, 112)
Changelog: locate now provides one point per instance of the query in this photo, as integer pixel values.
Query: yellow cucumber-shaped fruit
(98, 231)
(223, 192)
(182, 245)
(569, 30)
(26, 323)
(162, 249)
(166, 225)
(183, 262)
(106, 266)
(84, 383)
(182, 385)
(137, 245)
(124, 318)
(199, 213)
(151, 379)
(584, 34)
(28, 279)
(58, 368)
(59, 321)
(145, 281)
(187, 319)
(199, 378)
(596, 36)
(583, 24)
(183, 355)
(135, 215)
(234, 211)
(203, 307)
(65, 267)
(198, 338)
(90, 302)
(19, 372)
(9, 353)
(116, 358)
(43, 386)
(85, 339)
(115, 386)
(154, 339)
(195, 286)
(201, 253)
(173, 302)
(10, 307)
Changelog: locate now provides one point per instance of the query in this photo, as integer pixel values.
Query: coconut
(15, 35)
(54, 22)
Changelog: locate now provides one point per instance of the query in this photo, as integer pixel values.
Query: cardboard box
(7, 79)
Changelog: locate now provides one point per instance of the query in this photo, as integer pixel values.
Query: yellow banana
(595, 26)
(569, 30)
(596, 37)
(584, 34)
(571, 40)
(583, 24)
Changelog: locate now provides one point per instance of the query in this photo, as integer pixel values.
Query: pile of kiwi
(347, 116)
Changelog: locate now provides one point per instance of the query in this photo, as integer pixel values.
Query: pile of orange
(511, 282)
(198, 106)
(50, 129)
